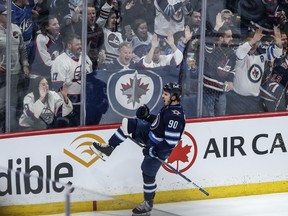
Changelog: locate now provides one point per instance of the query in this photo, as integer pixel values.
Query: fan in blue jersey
(21, 15)
(160, 133)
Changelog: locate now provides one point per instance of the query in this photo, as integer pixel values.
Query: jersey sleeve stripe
(155, 139)
(120, 136)
(172, 134)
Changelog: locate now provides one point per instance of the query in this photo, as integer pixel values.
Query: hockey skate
(144, 208)
(99, 148)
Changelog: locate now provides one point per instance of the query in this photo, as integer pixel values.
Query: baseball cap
(3, 9)
(226, 11)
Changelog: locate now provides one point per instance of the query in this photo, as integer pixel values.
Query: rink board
(226, 156)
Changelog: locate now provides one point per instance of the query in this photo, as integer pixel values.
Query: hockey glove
(143, 112)
(150, 151)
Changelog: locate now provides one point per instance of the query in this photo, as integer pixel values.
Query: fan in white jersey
(48, 45)
(170, 15)
(109, 21)
(154, 59)
(249, 70)
(66, 70)
(43, 108)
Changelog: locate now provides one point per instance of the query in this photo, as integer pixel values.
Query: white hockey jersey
(249, 69)
(35, 109)
(112, 40)
(169, 16)
(164, 60)
(66, 70)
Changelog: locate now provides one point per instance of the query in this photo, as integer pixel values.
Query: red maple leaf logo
(183, 154)
(179, 153)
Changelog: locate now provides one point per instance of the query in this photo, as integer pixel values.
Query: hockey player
(159, 133)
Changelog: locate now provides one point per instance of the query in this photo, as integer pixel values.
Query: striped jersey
(168, 126)
(66, 70)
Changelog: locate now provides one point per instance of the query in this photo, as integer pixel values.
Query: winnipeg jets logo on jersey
(47, 115)
(77, 75)
(113, 40)
(15, 34)
(255, 73)
(77, 72)
(178, 16)
(176, 112)
(25, 24)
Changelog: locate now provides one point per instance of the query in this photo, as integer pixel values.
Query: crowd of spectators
(245, 51)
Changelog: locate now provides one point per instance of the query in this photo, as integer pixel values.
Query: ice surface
(260, 205)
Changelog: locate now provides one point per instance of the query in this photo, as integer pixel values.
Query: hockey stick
(171, 167)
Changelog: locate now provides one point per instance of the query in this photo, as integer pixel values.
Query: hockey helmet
(174, 89)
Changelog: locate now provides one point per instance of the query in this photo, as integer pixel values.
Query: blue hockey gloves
(143, 112)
